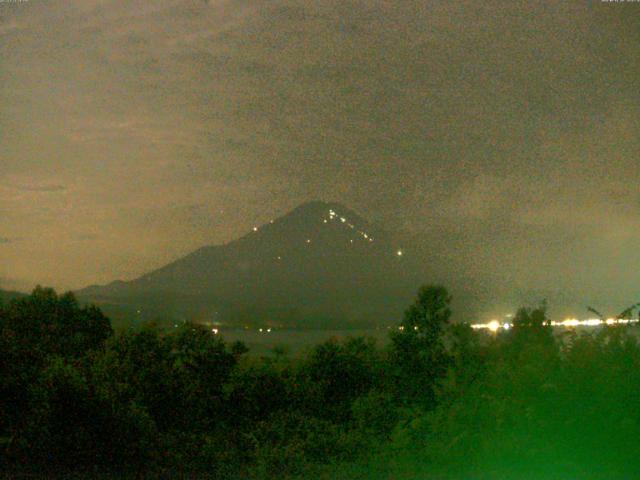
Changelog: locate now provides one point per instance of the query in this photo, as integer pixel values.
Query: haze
(505, 136)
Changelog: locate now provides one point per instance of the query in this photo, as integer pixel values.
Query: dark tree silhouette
(417, 349)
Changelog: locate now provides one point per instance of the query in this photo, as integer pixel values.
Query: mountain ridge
(319, 261)
(7, 295)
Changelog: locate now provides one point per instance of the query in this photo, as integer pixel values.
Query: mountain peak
(306, 263)
(325, 219)
(315, 207)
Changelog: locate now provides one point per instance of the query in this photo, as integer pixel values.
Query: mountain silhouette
(320, 265)
(7, 295)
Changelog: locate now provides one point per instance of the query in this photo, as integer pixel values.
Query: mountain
(6, 296)
(320, 265)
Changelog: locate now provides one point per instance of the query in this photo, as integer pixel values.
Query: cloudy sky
(506, 135)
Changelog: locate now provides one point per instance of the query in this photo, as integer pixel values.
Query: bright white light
(268, 330)
(399, 253)
(571, 322)
(260, 330)
(308, 240)
(255, 229)
(567, 323)
(343, 220)
(215, 331)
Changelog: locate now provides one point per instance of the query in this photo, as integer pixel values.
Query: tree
(337, 373)
(532, 317)
(201, 365)
(532, 326)
(53, 324)
(136, 367)
(33, 329)
(417, 349)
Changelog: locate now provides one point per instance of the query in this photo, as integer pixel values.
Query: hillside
(320, 265)
(7, 296)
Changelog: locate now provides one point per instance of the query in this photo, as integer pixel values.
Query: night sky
(504, 135)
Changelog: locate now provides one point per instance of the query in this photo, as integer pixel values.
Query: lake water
(300, 341)
(295, 341)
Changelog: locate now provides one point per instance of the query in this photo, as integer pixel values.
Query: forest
(437, 401)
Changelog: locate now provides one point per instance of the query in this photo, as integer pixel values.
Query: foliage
(440, 401)
(418, 355)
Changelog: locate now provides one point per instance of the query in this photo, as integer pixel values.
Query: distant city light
(495, 325)
(570, 322)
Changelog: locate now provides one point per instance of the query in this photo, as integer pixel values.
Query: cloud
(85, 237)
(10, 240)
(45, 188)
(506, 128)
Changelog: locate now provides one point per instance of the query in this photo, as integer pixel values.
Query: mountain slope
(319, 265)
(6, 296)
